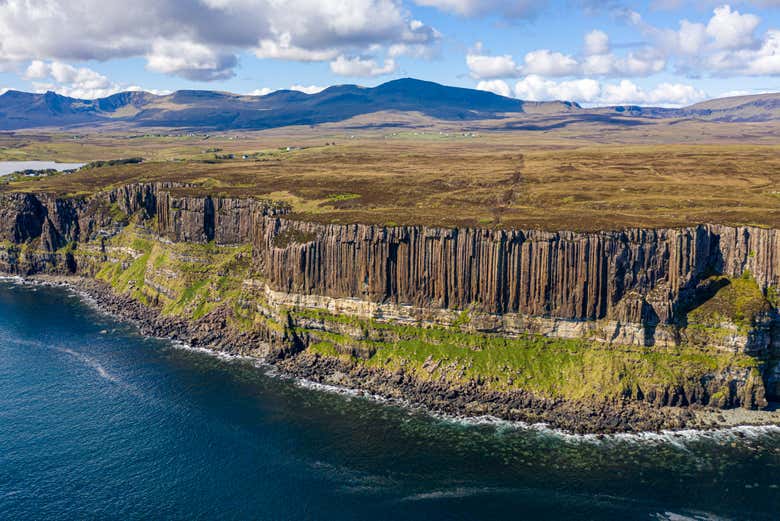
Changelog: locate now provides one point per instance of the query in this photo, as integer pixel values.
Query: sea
(100, 422)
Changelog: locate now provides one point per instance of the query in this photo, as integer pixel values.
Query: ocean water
(98, 422)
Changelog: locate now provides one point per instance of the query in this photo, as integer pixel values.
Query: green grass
(556, 368)
(739, 301)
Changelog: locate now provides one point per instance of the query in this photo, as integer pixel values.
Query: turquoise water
(98, 422)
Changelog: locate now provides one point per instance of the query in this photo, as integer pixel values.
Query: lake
(99, 422)
(9, 167)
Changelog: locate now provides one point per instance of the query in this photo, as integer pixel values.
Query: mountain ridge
(219, 110)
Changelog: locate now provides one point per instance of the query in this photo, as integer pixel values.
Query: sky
(656, 52)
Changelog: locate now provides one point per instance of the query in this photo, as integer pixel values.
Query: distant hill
(755, 108)
(210, 110)
(759, 107)
(220, 110)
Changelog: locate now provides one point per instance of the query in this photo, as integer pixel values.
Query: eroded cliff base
(473, 398)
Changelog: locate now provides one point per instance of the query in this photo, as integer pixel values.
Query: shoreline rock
(470, 400)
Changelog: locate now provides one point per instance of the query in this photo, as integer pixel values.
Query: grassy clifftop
(486, 182)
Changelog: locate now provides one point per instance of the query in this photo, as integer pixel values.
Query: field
(562, 179)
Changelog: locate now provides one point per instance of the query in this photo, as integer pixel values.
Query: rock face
(634, 275)
(635, 286)
(646, 277)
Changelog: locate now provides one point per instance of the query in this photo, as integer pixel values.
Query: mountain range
(195, 109)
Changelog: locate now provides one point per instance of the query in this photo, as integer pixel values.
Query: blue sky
(661, 52)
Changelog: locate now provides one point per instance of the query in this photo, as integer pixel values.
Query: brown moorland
(493, 179)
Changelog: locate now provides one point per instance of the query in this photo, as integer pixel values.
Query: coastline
(469, 402)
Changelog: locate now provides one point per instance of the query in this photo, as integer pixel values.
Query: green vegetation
(113, 162)
(738, 301)
(187, 280)
(556, 368)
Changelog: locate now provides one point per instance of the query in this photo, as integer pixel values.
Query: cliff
(703, 287)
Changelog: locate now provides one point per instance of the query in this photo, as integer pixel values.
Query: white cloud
(596, 43)
(76, 82)
(544, 62)
(190, 60)
(37, 70)
(282, 50)
(691, 37)
(547, 63)
(418, 40)
(361, 67)
(308, 89)
(499, 87)
(536, 88)
(727, 45)
(592, 92)
(482, 66)
(731, 29)
(477, 8)
(766, 60)
(202, 39)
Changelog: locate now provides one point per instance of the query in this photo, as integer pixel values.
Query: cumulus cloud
(536, 88)
(591, 92)
(596, 43)
(306, 89)
(282, 50)
(76, 82)
(202, 39)
(361, 67)
(726, 45)
(499, 87)
(483, 66)
(731, 29)
(190, 60)
(547, 63)
(511, 9)
(597, 60)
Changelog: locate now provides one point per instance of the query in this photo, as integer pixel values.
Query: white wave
(214, 353)
(678, 438)
(91, 362)
(454, 493)
(693, 516)
(344, 391)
